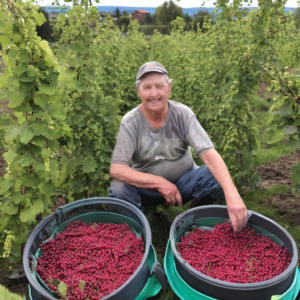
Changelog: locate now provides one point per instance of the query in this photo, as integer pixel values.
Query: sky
(155, 3)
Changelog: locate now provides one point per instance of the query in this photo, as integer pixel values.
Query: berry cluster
(93, 260)
(247, 257)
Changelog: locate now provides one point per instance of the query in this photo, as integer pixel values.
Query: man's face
(154, 91)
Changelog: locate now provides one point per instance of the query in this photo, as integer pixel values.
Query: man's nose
(153, 92)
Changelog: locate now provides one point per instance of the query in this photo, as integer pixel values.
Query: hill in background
(129, 9)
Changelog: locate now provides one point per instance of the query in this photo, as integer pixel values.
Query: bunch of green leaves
(92, 110)
(32, 76)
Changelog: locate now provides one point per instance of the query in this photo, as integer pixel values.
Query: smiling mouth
(154, 100)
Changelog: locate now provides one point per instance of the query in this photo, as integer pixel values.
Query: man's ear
(137, 89)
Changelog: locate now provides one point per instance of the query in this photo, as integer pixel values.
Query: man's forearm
(216, 165)
(135, 178)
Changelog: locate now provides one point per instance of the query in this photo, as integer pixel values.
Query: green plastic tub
(188, 283)
(185, 292)
(146, 281)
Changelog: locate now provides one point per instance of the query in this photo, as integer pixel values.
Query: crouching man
(155, 137)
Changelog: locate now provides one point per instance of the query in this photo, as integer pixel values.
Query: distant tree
(200, 17)
(187, 18)
(147, 20)
(117, 14)
(297, 17)
(45, 31)
(125, 13)
(123, 21)
(167, 12)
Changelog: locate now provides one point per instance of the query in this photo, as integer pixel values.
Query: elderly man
(155, 137)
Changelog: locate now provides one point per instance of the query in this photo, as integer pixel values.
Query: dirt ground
(279, 173)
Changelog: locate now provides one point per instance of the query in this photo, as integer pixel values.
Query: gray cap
(151, 66)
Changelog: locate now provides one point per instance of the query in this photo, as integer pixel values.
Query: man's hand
(235, 205)
(237, 212)
(170, 192)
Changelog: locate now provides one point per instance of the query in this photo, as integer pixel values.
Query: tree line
(164, 15)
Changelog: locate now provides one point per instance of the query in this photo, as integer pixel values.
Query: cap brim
(149, 71)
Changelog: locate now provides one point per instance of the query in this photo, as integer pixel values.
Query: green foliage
(7, 295)
(92, 111)
(201, 17)
(123, 22)
(117, 14)
(32, 75)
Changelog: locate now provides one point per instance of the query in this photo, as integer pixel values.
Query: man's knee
(116, 189)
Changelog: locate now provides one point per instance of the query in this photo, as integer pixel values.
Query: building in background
(139, 15)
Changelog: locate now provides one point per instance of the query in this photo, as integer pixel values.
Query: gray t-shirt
(165, 151)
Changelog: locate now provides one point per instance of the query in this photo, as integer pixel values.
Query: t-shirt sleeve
(197, 138)
(124, 149)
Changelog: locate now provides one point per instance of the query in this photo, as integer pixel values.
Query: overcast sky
(155, 3)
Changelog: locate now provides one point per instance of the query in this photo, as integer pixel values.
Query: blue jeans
(195, 183)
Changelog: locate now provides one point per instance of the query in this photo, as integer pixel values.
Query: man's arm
(147, 181)
(235, 205)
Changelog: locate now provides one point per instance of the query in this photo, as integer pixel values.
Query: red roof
(142, 11)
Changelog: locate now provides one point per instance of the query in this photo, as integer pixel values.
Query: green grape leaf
(30, 180)
(4, 220)
(9, 208)
(39, 17)
(46, 89)
(17, 38)
(28, 214)
(20, 69)
(7, 295)
(10, 155)
(16, 98)
(106, 158)
(39, 166)
(54, 282)
(39, 141)
(16, 197)
(89, 166)
(31, 70)
(40, 99)
(62, 288)
(41, 128)
(26, 78)
(5, 185)
(4, 41)
(81, 285)
(26, 136)
(284, 110)
(26, 160)
(47, 188)
(57, 112)
(290, 129)
(106, 148)
(7, 74)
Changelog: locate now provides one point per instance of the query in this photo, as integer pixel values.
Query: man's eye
(147, 87)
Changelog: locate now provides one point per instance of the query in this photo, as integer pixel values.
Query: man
(155, 136)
